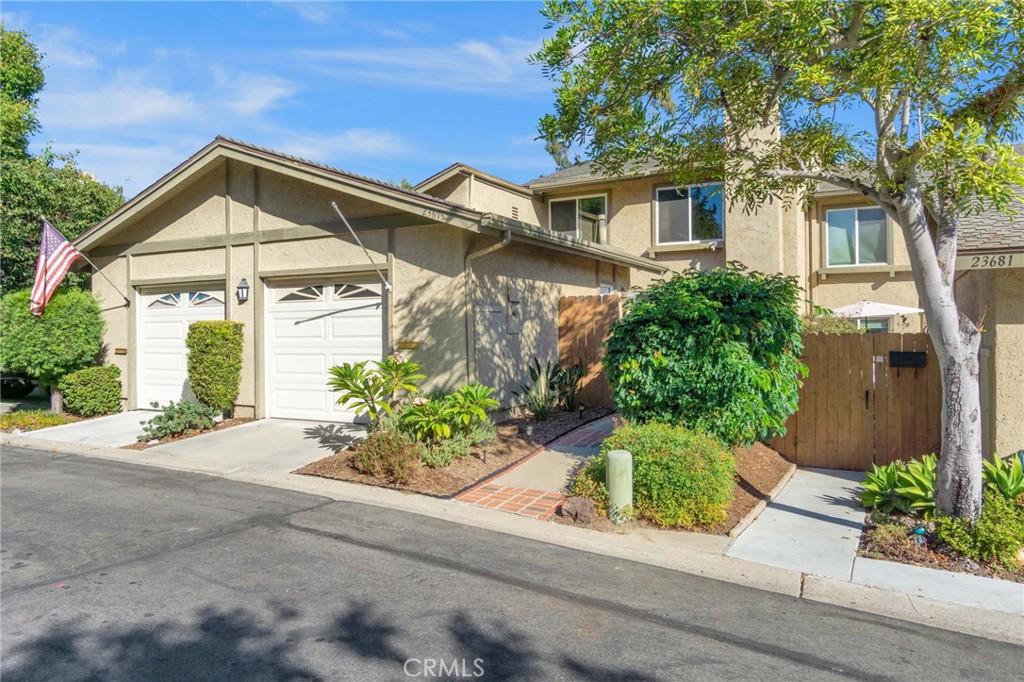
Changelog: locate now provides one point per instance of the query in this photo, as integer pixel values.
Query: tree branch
(836, 179)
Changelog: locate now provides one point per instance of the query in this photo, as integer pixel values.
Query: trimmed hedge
(681, 478)
(215, 362)
(92, 391)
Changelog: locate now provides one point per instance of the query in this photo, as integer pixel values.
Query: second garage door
(311, 328)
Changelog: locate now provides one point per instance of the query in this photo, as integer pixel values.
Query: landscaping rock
(579, 509)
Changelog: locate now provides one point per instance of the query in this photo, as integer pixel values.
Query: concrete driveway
(263, 446)
(114, 430)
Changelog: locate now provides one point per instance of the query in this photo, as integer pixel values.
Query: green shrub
(30, 420)
(444, 452)
(215, 362)
(437, 419)
(178, 419)
(680, 478)
(996, 536)
(569, 384)
(543, 391)
(66, 337)
(389, 454)
(374, 392)
(483, 432)
(908, 487)
(92, 391)
(824, 321)
(1005, 476)
(716, 351)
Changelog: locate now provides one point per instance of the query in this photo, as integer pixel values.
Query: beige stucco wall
(483, 195)
(426, 308)
(538, 278)
(993, 299)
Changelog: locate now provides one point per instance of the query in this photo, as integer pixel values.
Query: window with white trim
(856, 236)
(577, 217)
(874, 324)
(689, 214)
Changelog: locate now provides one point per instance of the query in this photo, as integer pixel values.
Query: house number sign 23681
(989, 261)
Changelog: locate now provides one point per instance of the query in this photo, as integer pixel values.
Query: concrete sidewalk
(113, 430)
(813, 526)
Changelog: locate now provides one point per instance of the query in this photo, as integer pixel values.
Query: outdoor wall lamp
(242, 292)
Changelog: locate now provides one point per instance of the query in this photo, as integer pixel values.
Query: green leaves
(907, 487)
(1005, 476)
(215, 362)
(374, 391)
(92, 391)
(66, 337)
(713, 350)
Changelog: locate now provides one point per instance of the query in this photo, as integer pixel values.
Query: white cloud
(313, 12)
(470, 66)
(250, 93)
(126, 101)
(345, 145)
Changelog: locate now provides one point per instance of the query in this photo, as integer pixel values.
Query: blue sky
(386, 89)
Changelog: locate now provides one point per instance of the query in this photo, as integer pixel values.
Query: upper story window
(689, 214)
(577, 217)
(856, 236)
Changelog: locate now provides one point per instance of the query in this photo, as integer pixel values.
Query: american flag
(56, 255)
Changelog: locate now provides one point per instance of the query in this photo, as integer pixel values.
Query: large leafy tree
(49, 184)
(754, 92)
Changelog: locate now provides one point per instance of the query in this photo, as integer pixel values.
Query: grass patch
(30, 420)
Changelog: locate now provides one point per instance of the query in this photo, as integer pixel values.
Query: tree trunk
(958, 481)
(56, 399)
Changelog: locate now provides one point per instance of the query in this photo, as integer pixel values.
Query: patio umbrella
(873, 309)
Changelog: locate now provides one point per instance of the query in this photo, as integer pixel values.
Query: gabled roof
(587, 172)
(459, 168)
(225, 147)
(409, 199)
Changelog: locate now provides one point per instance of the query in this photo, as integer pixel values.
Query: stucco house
(469, 293)
(841, 249)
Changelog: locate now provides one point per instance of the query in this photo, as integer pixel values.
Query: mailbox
(907, 358)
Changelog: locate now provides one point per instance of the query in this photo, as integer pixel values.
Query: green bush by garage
(215, 362)
(92, 391)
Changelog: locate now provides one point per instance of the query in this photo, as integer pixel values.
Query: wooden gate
(856, 408)
(584, 322)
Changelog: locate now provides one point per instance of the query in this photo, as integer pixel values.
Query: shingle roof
(586, 172)
(994, 229)
(337, 171)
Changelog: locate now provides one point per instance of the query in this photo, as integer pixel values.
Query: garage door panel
(163, 357)
(289, 364)
(307, 338)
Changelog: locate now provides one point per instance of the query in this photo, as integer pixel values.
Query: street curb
(678, 552)
(762, 504)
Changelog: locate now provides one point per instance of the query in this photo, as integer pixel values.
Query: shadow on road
(242, 644)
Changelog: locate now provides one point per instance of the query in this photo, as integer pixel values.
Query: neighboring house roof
(408, 199)
(585, 173)
(463, 169)
(993, 230)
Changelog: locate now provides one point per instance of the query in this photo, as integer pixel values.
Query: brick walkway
(536, 497)
(539, 504)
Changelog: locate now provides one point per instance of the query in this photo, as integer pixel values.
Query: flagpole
(127, 301)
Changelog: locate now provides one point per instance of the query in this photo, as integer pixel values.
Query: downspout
(470, 316)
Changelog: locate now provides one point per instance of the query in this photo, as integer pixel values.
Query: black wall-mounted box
(907, 358)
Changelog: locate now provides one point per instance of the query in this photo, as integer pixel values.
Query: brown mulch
(225, 424)
(507, 448)
(929, 553)
(759, 469)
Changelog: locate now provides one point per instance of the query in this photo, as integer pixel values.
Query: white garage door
(163, 324)
(311, 328)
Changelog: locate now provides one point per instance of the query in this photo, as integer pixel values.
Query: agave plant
(1005, 476)
(916, 484)
(879, 489)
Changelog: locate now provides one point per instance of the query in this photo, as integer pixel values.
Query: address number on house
(990, 261)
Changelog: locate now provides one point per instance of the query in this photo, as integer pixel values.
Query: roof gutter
(470, 310)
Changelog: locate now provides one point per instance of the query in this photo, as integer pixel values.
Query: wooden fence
(857, 408)
(584, 322)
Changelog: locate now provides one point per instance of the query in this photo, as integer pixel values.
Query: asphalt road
(117, 572)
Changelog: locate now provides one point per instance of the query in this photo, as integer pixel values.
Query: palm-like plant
(374, 392)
